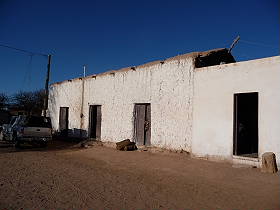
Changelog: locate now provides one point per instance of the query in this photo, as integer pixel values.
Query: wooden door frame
(235, 120)
(146, 143)
(235, 127)
(90, 119)
(67, 119)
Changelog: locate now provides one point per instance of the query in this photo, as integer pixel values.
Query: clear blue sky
(111, 34)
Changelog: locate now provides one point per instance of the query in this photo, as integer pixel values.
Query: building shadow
(60, 141)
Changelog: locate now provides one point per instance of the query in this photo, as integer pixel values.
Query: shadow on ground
(56, 144)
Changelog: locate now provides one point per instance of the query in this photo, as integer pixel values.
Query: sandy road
(103, 178)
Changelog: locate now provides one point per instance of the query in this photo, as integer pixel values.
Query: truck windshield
(43, 122)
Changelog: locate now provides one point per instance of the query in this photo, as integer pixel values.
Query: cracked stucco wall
(168, 87)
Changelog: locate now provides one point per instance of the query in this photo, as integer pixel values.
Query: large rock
(130, 147)
(126, 145)
(269, 163)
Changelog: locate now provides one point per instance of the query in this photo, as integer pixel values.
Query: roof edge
(191, 55)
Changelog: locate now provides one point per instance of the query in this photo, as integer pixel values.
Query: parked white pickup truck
(32, 129)
(6, 130)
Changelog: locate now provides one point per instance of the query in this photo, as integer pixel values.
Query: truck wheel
(43, 144)
(14, 136)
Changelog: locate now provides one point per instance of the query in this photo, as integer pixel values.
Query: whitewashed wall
(66, 94)
(214, 88)
(168, 87)
(190, 109)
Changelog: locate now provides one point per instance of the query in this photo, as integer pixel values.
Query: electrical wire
(27, 75)
(25, 51)
(257, 44)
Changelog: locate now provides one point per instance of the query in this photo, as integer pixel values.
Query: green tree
(30, 101)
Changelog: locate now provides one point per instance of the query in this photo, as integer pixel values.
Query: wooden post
(47, 86)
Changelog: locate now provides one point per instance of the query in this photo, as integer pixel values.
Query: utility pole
(47, 77)
(47, 86)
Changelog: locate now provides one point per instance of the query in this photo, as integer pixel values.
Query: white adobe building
(203, 103)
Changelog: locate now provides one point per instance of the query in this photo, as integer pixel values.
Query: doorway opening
(246, 125)
(142, 124)
(95, 122)
(63, 121)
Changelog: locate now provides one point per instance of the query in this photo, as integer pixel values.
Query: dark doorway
(142, 124)
(246, 125)
(63, 121)
(95, 122)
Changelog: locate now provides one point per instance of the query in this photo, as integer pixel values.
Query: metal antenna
(234, 43)
(84, 70)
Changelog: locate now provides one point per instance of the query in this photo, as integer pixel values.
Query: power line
(25, 51)
(48, 72)
(27, 75)
(257, 44)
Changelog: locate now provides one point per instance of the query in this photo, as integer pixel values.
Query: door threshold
(253, 161)
(256, 159)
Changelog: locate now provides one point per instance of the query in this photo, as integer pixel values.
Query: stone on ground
(269, 163)
(126, 145)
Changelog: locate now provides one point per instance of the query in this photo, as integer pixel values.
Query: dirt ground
(63, 177)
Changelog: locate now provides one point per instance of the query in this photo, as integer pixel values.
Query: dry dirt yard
(63, 177)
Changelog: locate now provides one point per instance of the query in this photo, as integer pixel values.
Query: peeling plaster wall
(167, 87)
(213, 106)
